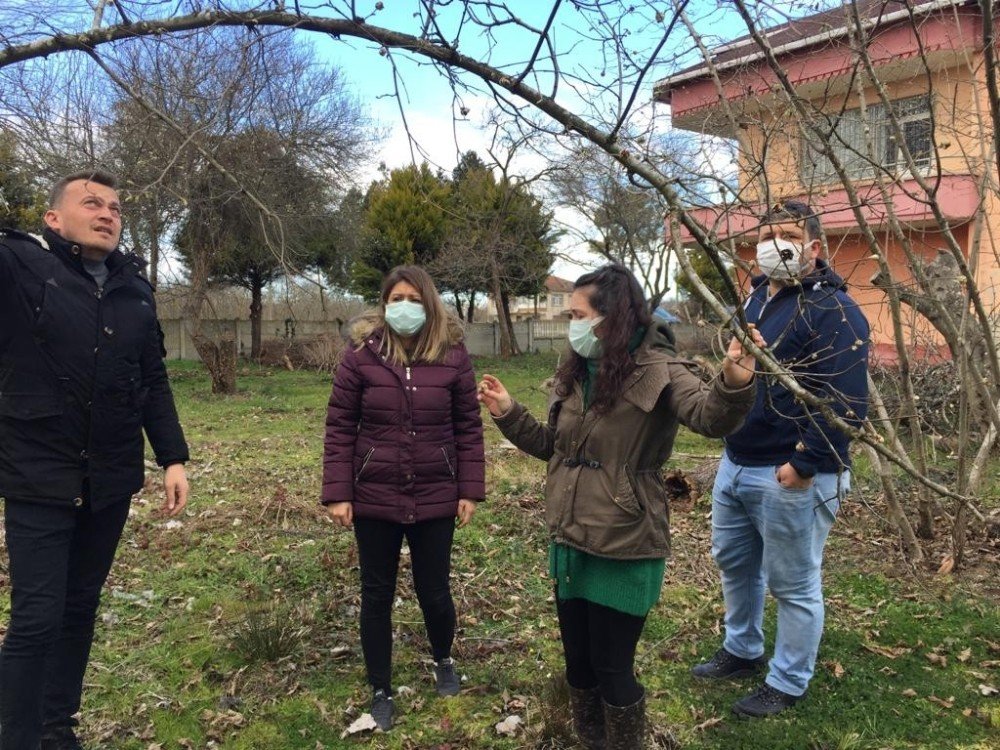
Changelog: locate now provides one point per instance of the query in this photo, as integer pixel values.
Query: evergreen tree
(22, 204)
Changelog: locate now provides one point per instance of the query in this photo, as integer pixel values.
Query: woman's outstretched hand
(738, 364)
(493, 393)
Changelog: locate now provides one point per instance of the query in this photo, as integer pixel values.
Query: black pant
(59, 560)
(379, 544)
(599, 644)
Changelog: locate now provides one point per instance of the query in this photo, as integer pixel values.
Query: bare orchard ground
(236, 626)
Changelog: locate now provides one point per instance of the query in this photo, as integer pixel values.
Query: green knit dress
(630, 586)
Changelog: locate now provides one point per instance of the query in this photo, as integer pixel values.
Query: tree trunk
(507, 329)
(911, 547)
(219, 357)
(503, 314)
(256, 308)
(458, 305)
(154, 245)
(470, 316)
(220, 360)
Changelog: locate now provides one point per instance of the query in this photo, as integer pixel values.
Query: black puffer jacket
(81, 375)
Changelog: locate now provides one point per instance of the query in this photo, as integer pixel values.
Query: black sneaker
(446, 680)
(767, 701)
(725, 665)
(59, 738)
(383, 710)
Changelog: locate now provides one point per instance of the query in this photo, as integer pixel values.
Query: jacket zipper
(447, 460)
(364, 463)
(99, 294)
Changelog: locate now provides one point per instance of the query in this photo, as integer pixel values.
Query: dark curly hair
(616, 295)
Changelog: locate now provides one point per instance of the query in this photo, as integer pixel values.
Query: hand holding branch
(738, 364)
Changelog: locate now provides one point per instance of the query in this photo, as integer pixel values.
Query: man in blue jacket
(81, 378)
(784, 474)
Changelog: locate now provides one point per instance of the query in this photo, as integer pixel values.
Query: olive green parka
(604, 493)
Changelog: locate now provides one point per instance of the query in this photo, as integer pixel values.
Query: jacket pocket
(448, 461)
(626, 496)
(364, 463)
(30, 405)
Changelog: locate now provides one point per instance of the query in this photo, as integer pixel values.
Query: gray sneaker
(767, 701)
(446, 680)
(383, 710)
(724, 665)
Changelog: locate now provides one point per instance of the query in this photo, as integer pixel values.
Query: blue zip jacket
(818, 332)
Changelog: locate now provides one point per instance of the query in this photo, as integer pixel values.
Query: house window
(557, 301)
(860, 142)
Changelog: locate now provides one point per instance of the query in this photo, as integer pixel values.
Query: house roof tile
(824, 25)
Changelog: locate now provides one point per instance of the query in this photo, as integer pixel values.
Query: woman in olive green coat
(613, 415)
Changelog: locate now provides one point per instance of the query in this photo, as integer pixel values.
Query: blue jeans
(765, 533)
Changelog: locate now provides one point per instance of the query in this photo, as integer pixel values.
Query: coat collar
(69, 252)
(651, 375)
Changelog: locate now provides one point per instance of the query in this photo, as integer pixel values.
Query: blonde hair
(435, 339)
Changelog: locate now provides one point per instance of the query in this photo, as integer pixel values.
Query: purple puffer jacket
(404, 444)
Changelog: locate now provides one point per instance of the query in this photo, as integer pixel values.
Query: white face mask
(582, 338)
(779, 258)
(405, 317)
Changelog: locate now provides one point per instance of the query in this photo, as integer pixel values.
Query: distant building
(552, 304)
(928, 55)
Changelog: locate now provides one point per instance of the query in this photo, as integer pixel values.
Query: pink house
(931, 68)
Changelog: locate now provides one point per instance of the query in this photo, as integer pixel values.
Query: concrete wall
(481, 339)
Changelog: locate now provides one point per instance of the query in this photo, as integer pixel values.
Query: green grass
(167, 671)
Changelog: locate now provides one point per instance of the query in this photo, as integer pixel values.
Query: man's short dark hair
(100, 176)
(795, 211)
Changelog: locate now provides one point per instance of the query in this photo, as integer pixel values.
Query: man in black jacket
(81, 377)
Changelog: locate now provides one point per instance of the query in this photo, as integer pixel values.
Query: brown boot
(626, 725)
(588, 717)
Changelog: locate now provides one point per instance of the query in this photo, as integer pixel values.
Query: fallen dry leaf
(708, 723)
(509, 726)
(909, 693)
(941, 701)
(364, 723)
(888, 652)
(947, 565)
(836, 668)
(937, 659)
(987, 690)
(965, 655)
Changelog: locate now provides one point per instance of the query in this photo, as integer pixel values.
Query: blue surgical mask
(405, 317)
(582, 338)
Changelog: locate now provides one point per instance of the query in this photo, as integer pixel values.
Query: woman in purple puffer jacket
(404, 458)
